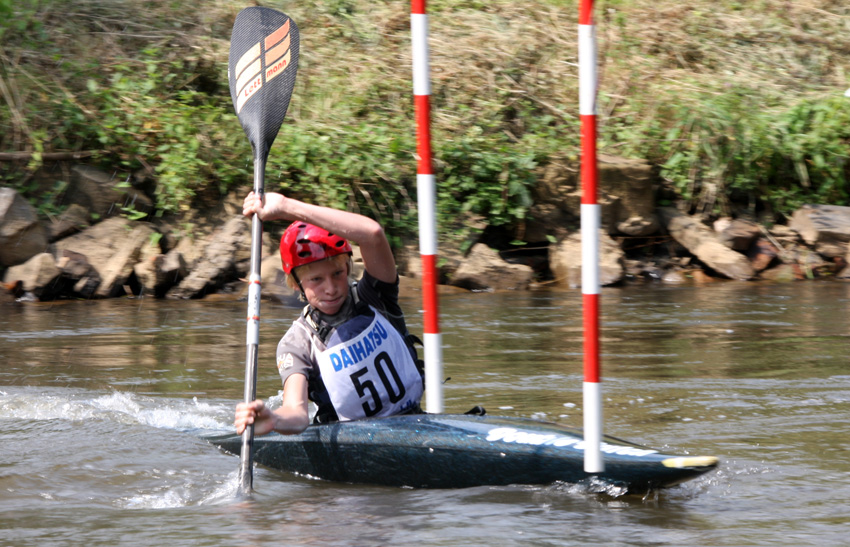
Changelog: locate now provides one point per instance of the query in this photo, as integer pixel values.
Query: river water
(95, 399)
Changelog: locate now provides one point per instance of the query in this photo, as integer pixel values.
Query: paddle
(261, 69)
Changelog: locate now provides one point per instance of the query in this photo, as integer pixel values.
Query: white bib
(368, 370)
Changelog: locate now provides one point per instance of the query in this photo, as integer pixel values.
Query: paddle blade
(261, 69)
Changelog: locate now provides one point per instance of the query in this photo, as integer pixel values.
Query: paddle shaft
(246, 475)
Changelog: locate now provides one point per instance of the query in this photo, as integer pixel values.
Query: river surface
(95, 399)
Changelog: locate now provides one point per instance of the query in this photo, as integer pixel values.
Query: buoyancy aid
(368, 368)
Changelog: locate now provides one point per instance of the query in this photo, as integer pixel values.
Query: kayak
(459, 451)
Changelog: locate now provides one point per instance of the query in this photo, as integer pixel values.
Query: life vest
(367, 367)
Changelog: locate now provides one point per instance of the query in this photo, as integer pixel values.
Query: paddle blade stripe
(277, 35)
(276, 60)
(245, 60)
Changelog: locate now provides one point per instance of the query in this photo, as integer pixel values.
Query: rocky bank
(93, 250)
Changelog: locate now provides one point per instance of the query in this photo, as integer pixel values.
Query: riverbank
(119, 256)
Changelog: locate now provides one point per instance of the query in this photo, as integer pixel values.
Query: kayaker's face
(325, 285)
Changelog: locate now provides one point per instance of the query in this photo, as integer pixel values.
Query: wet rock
(39, 275)
(82, 276)
(158, 273)
(844, 273)
(703, 243)
(784, 273)
(738, 234)
(762, 254)
(21, 234)
(824, 227)
(700, 277)
(566, 260)
(674, 277)
(220, 262)
(112, 247)
(484, 269)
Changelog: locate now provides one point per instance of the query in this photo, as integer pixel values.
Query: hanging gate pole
(427, 203)
(590, 224)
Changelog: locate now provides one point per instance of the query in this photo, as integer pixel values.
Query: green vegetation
(739, 103)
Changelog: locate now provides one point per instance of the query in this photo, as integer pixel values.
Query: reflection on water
(98, 400)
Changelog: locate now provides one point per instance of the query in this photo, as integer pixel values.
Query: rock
(15, 289)
(21, 235)
(219, 264)
(565, 260)
(626, 198)
(638, 226)
(674, 277)
(83, 277)
(113, 248)
(101, 194)
(824, 227)
(702, 242)
(844, 273)
(74, 219)
(784, 235)
(738, 234)
(40, 276)
(484, 269)
(784, 273)
(762, 254)
(158, 273)
(274, 285)
(700, 277)
(631, 181)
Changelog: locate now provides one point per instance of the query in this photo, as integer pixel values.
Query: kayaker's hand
(272, 209)
(257, 413)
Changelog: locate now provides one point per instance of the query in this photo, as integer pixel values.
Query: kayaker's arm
(293, 414)
(367, 233)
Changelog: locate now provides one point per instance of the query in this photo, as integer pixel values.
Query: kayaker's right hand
(257, 413)
(272, 208)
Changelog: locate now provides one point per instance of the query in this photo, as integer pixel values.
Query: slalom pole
(426, 195)
(590, 224)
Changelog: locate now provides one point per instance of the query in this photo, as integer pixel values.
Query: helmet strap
(297, 281)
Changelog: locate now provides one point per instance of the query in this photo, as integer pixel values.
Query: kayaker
(349, 351)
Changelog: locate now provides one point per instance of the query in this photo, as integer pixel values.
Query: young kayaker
(349, 351)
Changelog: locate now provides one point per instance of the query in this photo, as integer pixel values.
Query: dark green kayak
(457, 451)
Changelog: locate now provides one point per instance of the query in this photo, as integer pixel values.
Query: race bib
(368, 370)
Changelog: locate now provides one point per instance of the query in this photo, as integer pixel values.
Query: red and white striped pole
(427, 201)
(590, 224)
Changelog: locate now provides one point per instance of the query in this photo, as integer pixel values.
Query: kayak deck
(458, 451)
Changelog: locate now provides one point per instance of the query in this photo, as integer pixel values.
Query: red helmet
(304, 243)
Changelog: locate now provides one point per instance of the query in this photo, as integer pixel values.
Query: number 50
(394, 388)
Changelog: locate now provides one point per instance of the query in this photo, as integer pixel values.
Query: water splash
(194, 491)
(118, 406)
